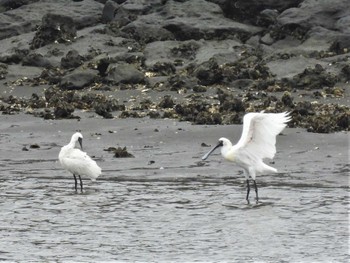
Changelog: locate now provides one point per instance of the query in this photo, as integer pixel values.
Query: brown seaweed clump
(320, 118)
(119, 152)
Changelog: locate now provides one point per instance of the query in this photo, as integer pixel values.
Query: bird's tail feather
(267, 169)
(95, 171)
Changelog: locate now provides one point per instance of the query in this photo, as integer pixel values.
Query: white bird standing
(257, 142)
(78, 162)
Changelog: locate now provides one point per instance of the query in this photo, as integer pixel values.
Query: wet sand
(166, 204)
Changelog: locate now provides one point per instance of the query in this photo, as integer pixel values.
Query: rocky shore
(207, 62)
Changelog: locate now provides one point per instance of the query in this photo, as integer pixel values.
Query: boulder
(72, 60)
(250, 10)
(186, 20)
(36, 60)
(28, 15)
(124, 73)
(78, 79)
(54, 28)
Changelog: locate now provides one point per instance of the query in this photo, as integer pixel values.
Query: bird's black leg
(81, 184)
(256, 191)
(76, 183)
(248, 190)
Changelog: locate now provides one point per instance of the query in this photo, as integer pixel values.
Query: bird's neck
(228, 152)
(71, 144)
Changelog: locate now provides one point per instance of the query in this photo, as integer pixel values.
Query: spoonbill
(78, 162)
(258, 141)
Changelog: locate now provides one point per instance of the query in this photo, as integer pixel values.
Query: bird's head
(223, 142)
(77, 137)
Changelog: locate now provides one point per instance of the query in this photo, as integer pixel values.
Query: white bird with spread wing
(78, 162)
(257, 142)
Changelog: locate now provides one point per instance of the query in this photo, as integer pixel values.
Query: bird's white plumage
(76, 161)
(257, 142)
(259, 133)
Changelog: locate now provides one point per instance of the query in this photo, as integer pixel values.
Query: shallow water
(171, 211)
(43, 219)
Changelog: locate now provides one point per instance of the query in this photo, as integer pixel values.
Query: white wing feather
(78, 162)
(259, 133)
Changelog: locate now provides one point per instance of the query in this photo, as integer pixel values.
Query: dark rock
(179, 82)
(124, 73)
(186, 20)
(304, 108)
(145, 32)
(15, 57)
(51, 76)
(345, 71)
(154, 114)
(343, 121)
(103, 111)
(36, 102)
(63, 110)
(34, 146)
(54, 27)
(213, 25)
(108, 11)
(166, 102)
(287, 99)
(26, 19)
(267, 17)
(102, 66)
(36, 60)
(187, 50)
(78, 79)
(198, 88)
(208, 118)
(164, 68)
(243, 84)
(10, 4)
(267, 39)
(3, 70)
(72, 60)
(102, 105)
(54, 96)
(311, 14)
(315, 78)
(129, 114)
(209, 73)
(127, 13)
(249, 10)
(232, 105)
(341, 43)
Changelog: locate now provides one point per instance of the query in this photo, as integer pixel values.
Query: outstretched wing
(260, 131)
